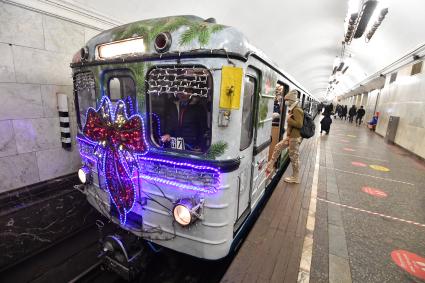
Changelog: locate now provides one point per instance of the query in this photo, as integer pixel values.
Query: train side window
(393, 77)
(250, 86)
(303, 101)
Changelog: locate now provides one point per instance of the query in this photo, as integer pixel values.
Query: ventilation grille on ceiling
(393, 77)
(416, 68)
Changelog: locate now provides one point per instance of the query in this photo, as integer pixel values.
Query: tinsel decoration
(118, 137)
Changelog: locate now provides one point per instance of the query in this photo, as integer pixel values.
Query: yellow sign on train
(231, 84)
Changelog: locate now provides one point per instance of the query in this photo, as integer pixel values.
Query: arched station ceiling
(303, 37)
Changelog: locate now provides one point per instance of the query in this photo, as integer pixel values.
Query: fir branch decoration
(189, 35)
(149, 29)
(204, 35)
(217, 28)
(200, 31)
(216, 149)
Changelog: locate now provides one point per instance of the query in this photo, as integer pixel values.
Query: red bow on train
(118, 138)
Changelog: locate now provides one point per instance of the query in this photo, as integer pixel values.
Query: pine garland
(216, 149)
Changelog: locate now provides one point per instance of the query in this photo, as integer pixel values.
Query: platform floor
(357, 216)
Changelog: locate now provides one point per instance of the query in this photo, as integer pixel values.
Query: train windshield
(85, 95)
(180, 106)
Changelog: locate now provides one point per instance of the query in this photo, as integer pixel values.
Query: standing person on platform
(328, 109)
(352, 113)
(336, 111)
(360, 113)
(325, 124)
(344, 112)
(292, 139)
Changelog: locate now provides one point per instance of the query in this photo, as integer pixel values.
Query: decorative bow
(118, 137)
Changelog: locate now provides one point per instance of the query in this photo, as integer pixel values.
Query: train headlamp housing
(81, 55)
(163, 42)
(186, 211)
(84, 174)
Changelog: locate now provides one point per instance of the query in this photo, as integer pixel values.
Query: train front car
(155, 102)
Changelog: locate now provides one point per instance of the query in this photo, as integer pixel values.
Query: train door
(246, 146)
(278, 127)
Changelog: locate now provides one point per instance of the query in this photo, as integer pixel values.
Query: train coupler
(125, 255)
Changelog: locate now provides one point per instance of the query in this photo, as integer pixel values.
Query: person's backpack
(308, 128)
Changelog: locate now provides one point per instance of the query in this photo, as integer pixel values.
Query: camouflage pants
(293, 145)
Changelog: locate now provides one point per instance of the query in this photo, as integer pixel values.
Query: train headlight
(186, 211)
(84, 174)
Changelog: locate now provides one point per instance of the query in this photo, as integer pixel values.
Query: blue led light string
(88, 148)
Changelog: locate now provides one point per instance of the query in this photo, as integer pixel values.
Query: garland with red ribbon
(118, 137)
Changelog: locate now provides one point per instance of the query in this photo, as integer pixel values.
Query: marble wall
(35, 52)
(405, 98)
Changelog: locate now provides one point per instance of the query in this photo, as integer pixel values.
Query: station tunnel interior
(313, 45)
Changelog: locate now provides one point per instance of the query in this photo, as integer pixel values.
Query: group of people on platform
(341, 111)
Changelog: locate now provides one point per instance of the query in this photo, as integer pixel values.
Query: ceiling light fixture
(376, 24)
(363, 15)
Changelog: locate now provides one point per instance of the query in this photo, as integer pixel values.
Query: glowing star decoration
(116, 138)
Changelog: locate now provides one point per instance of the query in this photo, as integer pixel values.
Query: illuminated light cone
(410, 262)
(358, 164)
(379, 168)
(374, 192)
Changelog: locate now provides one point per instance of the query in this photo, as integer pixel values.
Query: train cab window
(122, 87)
(250, 85)
(180, 107)
(85, 95)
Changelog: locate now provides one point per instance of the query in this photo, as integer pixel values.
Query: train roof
(189, 33)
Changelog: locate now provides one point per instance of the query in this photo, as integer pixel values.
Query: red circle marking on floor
(345, 141)
(358, 164)
(410, 262)
(374, 192)
(348, 149)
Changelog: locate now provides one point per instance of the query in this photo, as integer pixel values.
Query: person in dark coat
(344, 112)
(187, 120)
(325, 124)
(351, 113)
(328, 109)
(360, 113)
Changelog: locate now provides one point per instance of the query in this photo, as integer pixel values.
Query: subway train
(174, 131)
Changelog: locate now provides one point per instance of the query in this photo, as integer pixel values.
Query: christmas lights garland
(115, 143)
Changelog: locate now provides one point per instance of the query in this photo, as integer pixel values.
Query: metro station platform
(357, 216)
